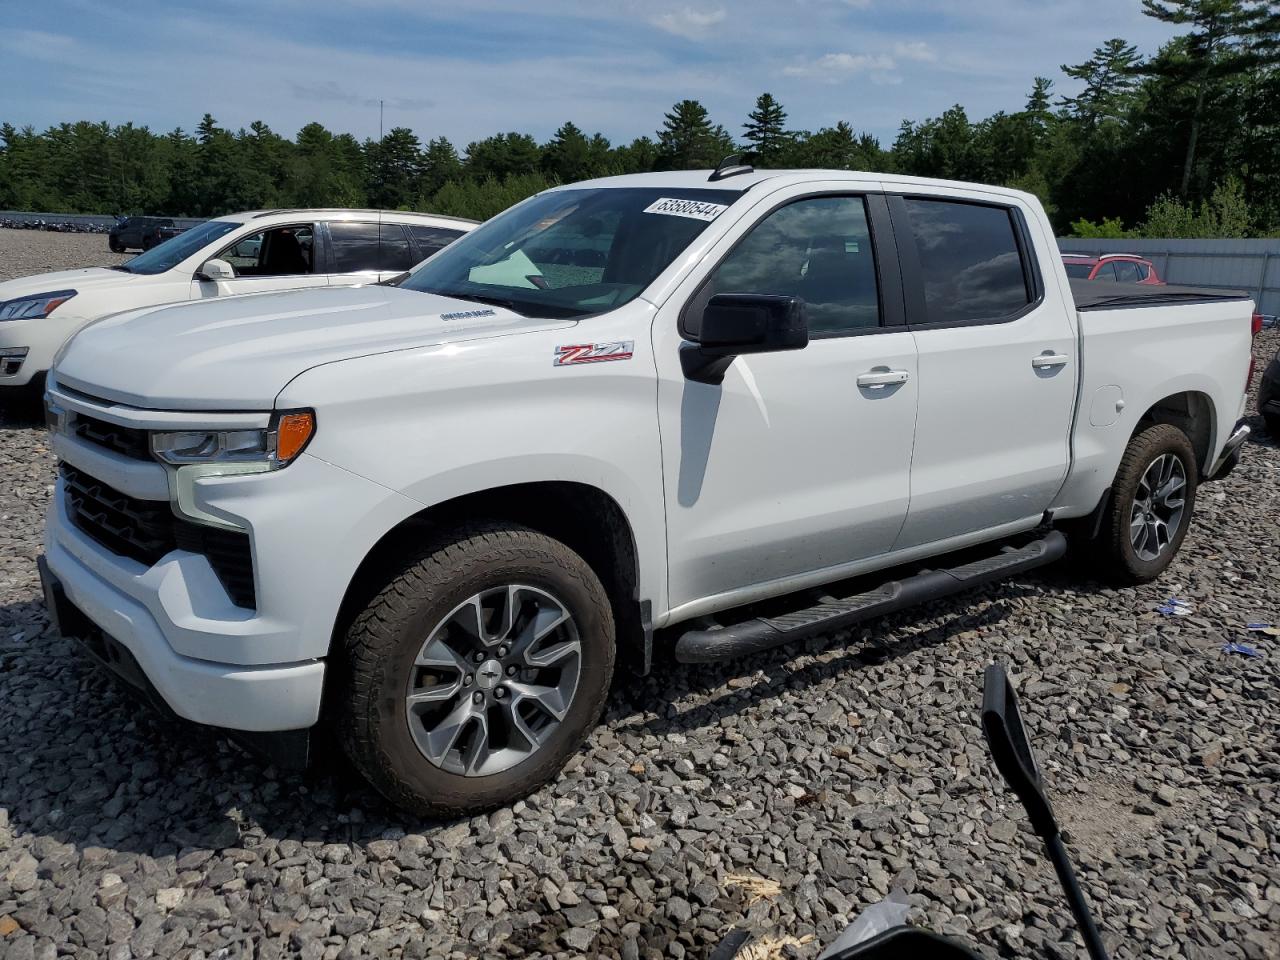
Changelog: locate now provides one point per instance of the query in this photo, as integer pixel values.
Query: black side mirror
(739, 323)
(1011, 750)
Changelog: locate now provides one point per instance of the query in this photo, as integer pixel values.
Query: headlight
(37, 305)
(273, 448)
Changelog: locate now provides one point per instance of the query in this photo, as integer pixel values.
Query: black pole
(1075, 897)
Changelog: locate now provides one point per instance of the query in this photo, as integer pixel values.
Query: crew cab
(709, 411)
(240, 253)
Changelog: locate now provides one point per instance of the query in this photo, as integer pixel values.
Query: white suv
(242, 253)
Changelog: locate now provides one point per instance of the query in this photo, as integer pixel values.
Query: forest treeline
(1183, 143)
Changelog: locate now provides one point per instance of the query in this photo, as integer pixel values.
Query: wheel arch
(583, 517)
(1192, 412)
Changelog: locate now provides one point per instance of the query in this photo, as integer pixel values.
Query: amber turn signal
(293, 433)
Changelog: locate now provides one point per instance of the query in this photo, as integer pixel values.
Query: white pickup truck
(683, 405)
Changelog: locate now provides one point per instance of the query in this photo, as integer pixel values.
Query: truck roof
(740, 182)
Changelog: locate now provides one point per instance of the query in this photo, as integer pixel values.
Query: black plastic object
(730, 166)
(739, 323)
(1011, 750)
(1016, 761)
(906, 943)
(724, 643)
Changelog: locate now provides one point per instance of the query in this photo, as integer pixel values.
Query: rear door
(998, 367)
(799, 461)
(366, 252)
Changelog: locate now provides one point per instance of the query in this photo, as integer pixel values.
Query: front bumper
(123, 635)
(289, 749)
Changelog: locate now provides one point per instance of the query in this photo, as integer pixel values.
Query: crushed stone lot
(783, 793)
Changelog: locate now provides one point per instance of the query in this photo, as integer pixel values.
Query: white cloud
(832, 66)
(688, 22)
(916, 50)
(38, 44)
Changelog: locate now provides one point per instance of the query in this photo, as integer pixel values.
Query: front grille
(141, 530)
(128, 441)
(146, 530)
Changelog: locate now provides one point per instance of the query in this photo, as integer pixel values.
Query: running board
(752, 636)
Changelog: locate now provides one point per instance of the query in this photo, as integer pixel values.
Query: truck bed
(1092, 295)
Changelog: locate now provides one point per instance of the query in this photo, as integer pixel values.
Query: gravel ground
(823, 773)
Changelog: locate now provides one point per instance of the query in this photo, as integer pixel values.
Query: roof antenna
(730, 166)
(382, 165)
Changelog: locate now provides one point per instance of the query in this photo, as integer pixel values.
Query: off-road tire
(379, 650)
(1113, 553)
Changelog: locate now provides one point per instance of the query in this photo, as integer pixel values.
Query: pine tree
(1110, 77)
(766, 128)
(1228, 39)
(688, 140)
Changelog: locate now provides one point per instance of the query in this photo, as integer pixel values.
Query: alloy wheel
(493, 680)
(1158, 506)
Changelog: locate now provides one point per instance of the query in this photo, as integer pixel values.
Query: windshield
(1079, 271)
(167, 255)
(572, 253)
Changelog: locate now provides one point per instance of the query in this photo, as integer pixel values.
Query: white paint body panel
(785, 476)
(102, 292)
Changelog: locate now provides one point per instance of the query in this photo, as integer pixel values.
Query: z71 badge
(594, 352)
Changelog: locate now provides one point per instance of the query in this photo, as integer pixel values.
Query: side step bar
(752, 636)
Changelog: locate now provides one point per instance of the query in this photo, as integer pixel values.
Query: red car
(1112, 267)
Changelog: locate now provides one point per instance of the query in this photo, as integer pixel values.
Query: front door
(279, 258)
(998, 368)
(799, 461)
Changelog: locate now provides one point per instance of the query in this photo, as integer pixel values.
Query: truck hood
(77, 280)
(237, 353)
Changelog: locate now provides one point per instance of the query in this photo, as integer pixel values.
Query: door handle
(883, 378)
(1047, 361)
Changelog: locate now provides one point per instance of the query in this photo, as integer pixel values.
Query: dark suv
(133, 233)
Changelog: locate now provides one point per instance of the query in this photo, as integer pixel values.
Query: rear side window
(818, 249)
(431, 239)
(970, 259)
(1127, 271)
(361, 246)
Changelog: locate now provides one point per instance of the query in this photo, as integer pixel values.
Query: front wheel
(472, 676)
(1151, 504)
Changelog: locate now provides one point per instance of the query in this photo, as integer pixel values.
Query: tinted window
(1127, 271)
(360, 246)
(1144, 271)
(1107, 272)
(431, 239)
(818, 250)
(572, 253)
(1079, 271)
(970, 260)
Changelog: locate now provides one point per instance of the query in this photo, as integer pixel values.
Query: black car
(162, 231)
(1269, 397)
(131, 233)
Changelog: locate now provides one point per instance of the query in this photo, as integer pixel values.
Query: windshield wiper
(395, 281)
(478, 298)
(119, 266)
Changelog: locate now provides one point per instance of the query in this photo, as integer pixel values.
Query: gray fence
(1252, 265)
(81, 219)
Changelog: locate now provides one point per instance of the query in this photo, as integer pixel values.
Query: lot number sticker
(695, 209)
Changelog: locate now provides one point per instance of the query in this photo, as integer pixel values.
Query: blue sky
(468, 68)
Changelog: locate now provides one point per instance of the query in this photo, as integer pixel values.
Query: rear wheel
(474, 675)
(1152, 501)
